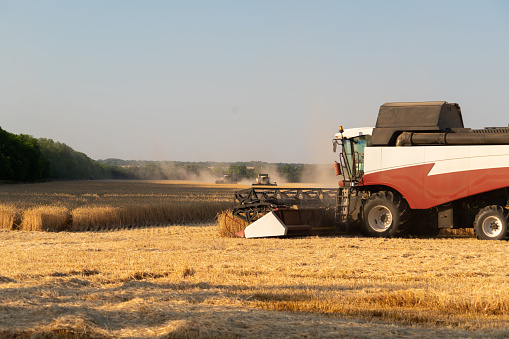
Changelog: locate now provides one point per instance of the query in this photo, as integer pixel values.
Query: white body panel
(446, 159)
(481, 157)
(267, 226)
(429, 176)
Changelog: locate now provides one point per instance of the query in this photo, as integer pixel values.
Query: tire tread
(402, 208)
(490, 209)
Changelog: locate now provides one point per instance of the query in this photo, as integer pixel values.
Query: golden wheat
(72, 194)
(10, 217)
(46, 218)
(91, 218)
(93, 205)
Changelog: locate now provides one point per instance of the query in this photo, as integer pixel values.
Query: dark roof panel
(397, 117)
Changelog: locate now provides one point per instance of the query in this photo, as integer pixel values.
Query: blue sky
(241, 80)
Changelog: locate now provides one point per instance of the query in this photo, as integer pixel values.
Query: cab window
(354, 154)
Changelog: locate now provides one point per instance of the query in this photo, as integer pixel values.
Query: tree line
(24, 158)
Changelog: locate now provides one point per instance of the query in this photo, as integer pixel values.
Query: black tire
(386, 215)
(491, 223)
(424, 223)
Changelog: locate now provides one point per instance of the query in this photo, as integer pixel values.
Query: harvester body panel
(429, 176)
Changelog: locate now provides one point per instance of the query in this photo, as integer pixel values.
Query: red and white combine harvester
(417, 171)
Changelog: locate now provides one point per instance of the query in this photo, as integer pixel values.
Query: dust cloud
(323, 175)
(320, 174)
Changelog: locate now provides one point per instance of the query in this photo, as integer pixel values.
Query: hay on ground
(228, 224)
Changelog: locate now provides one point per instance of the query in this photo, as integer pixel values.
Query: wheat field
(188, 281)
(96, 205)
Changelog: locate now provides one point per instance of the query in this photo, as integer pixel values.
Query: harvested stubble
(10, 217)
(66, 326)
(228, 224)
(46, 218)
(189, 282)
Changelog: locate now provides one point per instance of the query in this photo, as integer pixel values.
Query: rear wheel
(491, 223)
(385, 214)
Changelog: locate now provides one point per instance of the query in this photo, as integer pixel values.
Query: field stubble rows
(188, 281)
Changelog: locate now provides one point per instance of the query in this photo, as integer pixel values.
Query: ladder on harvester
(342, 210)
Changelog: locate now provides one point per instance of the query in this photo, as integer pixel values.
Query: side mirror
(334, 145)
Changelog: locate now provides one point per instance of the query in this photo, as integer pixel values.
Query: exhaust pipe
(447, 138)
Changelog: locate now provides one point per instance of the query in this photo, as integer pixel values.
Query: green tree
(20, 158)
(66, 163)
(238, 172)
(292, 172)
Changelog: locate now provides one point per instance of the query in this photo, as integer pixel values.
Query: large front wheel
(385, 215)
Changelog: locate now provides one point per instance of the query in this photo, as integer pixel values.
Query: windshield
(353, 149)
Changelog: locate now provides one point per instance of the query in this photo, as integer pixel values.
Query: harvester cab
(352, 143)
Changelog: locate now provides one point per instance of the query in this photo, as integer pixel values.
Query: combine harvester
(226, 179)
(263, 180)
(417, 171)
